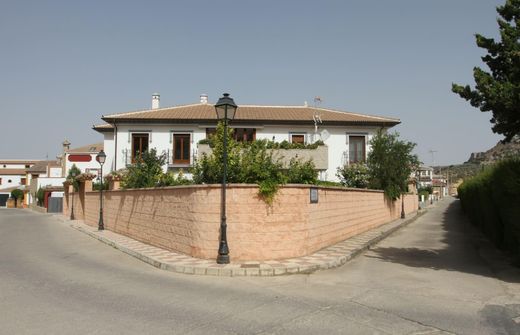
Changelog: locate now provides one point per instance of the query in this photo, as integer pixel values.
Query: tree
(73, 171)
(354, 175)
(209, 169)
(146, 172)
(498, 91)
(17, 195)
(390, 164)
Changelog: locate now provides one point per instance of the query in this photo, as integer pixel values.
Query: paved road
(432, 277)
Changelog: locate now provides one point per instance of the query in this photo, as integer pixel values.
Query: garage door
(3, 199)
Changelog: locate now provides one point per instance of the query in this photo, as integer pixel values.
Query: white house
(41, 175)
(83, 157)
(177, 130)
(425, 176)
(13, 176)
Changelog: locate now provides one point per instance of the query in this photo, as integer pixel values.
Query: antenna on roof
(316, 117)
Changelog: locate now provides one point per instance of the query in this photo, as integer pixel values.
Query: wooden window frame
(141, 136)
(182, 161)
(292, 135)
(356, 159)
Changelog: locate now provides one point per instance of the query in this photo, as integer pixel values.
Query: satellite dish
(324, 134)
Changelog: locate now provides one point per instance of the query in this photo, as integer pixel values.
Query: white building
(177, 130)
(13, 176)
(83, 157)
(43, 174)
(425, 176)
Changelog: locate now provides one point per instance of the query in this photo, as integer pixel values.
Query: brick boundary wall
(186, 219)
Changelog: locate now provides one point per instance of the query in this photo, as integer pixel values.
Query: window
(9, 181)
(27, 166)
(181, 148)
(244, 134)
(356, 149)
(23, 181)
(298, 138)
(139, 145)
(0, 181)
(239, 134)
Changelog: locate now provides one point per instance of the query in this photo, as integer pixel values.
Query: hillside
(478, 160)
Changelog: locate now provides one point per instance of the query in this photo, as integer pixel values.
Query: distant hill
(498, 152)
(478, 160)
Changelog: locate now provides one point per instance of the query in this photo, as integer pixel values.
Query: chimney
(204, 99)
(66, 145)
(156, 98)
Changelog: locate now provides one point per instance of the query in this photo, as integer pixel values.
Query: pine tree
(498, 91)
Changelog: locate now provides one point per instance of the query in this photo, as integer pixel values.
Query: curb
(327, 258)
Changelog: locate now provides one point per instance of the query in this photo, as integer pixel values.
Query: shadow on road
(451, 244)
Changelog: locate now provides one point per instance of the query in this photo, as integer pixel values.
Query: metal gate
(55, 205)
(3, 199)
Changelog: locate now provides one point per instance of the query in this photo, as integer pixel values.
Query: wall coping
(238, 186)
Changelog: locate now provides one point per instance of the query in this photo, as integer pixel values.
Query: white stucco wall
(83, 166)
(15, 180)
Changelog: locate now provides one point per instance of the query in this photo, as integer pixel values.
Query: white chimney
(156, 98)
(204, 99)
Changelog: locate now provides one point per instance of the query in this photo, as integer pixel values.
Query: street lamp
(101, 157)
(73, 174)
(226, 109)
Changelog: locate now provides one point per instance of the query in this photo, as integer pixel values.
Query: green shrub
(170, 179)
(146, 172)
(491, 201)
(300, 172)
(74, 171)
(40, 195)
(353, 175)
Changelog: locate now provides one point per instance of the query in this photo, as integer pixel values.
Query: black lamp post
(402, 207)
(226, 109)
(73, 175)
(101, 157)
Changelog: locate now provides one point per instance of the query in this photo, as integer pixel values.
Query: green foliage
(97, 186)
(491, 198)
(390, 163)
(498, 91)
(209, 168)
(426, 189)
(17, 194)
(354, 175)
(268, 144)
(74, 171)
(328, 183)
(40, 195)
(170, 179)
(145, 172)
(301, 172)
(252, 163)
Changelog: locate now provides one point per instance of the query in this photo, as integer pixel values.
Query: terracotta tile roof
(91, 148)
(12, 172)
(103, 127)
(245, 113)
(42, 166)
(18, 161)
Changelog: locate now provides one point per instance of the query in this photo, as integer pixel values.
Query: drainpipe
(115, 147)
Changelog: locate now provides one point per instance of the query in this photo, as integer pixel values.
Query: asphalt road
(433, 277)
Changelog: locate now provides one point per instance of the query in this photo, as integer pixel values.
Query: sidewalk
(328, 258)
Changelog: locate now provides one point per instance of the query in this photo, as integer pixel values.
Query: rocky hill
(498, 152)
(478, 160)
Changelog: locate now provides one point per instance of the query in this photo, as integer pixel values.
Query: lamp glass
(101, 157)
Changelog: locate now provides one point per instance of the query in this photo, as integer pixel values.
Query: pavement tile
(326, 258)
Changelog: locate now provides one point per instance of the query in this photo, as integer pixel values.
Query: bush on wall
(251, 163)
(491, 201)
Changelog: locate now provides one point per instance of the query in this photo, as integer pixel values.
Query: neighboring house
(83, 157)
(43, 174)
(177, 130)
(440, 185)
(12, 176)
(425, 176)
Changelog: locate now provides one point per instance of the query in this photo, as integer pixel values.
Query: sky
(64, 64)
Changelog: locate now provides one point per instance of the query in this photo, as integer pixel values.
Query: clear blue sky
(63, 64)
